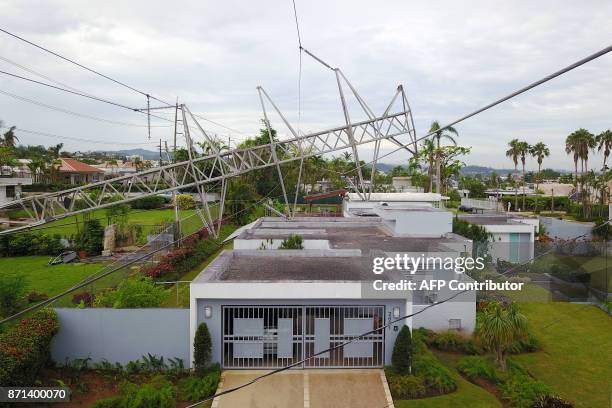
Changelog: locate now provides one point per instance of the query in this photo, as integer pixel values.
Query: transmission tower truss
(221, 165)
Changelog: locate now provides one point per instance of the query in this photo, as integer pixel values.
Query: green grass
(576, 356)
(47, 279)
(466, 395)
(149, 219)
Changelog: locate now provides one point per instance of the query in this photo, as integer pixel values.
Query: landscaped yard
(47, 279)
(576, 356)
(466, 395)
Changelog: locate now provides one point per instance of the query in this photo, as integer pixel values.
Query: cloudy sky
(452, 57)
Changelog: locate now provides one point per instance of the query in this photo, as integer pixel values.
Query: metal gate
(276, 336)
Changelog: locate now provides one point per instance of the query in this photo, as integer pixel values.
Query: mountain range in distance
(470, 170)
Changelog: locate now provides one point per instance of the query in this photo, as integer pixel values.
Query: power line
(526, 88)
(96, 98)
(146, 94)
(221, 125)
(76, 139)
(69, 112)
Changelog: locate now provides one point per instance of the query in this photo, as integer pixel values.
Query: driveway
(348, 388)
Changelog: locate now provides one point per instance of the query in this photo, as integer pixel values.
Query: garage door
(276, 336)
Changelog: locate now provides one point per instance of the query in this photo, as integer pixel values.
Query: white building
(513, 237)
(10, 184)
(355, 205)
(267, 307)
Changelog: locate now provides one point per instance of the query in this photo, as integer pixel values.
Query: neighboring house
(557, 189)
(267, 307)
(354, 204)
(10, 184)
(513, 237)
(75, 172)
(404, 184)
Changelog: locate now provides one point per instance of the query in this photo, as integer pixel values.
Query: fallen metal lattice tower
(221, 165)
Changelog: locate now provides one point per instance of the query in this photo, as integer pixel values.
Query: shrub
(551, 401)
(436, 377)
(28, 243)
(529, 344)
(475, 367)
(86, 297)
(159, 393)
(450, 341)
(185, 201)
(148, 203)
(131, 294)
(200, 387)
(292, 242)
(522, 391)
(34, 297)
(402, 352)
(202, 348)
(405, 386)
(91, 237)
(12, 289)
(25, 349)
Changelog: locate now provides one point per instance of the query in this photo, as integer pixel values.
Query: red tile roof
(75, 166)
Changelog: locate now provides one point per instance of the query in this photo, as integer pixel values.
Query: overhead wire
(77, 139)
(73, 113)
(146, 94)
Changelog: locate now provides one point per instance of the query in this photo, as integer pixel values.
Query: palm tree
(499, 327)
(571, 146)
(604, 140)
(10, 138)
(514, 152)
(439, 134)
(428, 152)
(524, 150)
(539, 151)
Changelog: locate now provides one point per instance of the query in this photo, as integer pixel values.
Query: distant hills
(470, 170)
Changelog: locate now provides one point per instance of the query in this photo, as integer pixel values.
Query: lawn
(149, 219)
(576, 356)
(47, 279)
(466, 395)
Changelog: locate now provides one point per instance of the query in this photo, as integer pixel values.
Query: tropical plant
(514, 152)
(440, 134)
(202, 348)
(499, 327)
(539, 151)
(292, 242)
(604, 142)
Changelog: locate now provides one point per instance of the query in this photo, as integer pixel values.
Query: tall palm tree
(539, 151)
(499, 327)
(572, 147)
(428, 153)
(524, 150)
(9, 138)
(514, 152)
(438, 136)
(604, 141)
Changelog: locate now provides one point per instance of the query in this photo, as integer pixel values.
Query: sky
(451, 57)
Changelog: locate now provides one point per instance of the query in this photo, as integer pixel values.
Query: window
(10, 191)
(454, 324)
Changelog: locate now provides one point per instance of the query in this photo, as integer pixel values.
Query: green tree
(402, 351)
(539, 151)
(202, 348)
(499, 327)
(9, 138)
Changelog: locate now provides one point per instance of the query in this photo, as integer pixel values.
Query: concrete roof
(491, 219)
(404, 197)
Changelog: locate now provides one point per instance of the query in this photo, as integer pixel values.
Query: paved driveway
(306, 389)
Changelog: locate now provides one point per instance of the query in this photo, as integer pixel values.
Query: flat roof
(492, 219)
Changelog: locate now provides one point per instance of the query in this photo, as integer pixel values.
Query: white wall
(276, 243)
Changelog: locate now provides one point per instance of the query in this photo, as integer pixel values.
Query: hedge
(26, 348)
(27, 243)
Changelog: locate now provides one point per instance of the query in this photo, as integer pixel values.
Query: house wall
(276, 243)
(121, 335)
(438, 318)
(215, 329)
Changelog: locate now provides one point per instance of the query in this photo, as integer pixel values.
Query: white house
(357, 205)
(512, 237)
(10, 185)
(267, 307)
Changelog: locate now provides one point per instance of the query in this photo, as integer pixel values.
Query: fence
(488, 205)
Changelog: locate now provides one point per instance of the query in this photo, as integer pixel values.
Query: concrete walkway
(333, 388)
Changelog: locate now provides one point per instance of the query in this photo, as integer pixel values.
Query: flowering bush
(86, 297)
(25, 348)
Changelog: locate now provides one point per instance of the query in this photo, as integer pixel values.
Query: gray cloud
(452, 57)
